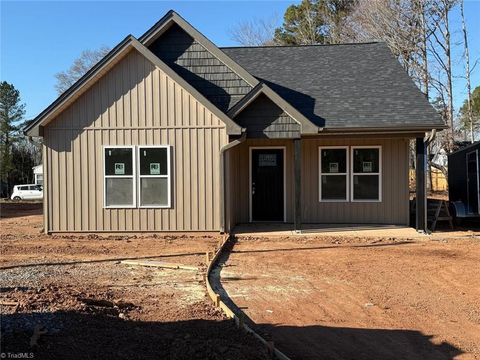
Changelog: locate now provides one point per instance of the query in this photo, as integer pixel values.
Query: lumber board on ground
(159, 264)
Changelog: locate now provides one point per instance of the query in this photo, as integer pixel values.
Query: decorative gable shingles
(264, 119)
(216, 81)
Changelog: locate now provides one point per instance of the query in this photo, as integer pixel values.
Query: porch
(353, 230)
(290, 198)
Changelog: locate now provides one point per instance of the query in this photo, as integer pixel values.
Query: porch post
(421, 195)
(297, 160)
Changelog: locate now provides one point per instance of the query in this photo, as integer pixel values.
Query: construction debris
(9, 303)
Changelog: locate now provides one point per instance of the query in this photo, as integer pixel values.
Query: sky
(38, 38)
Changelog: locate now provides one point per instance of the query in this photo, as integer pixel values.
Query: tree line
(18, 153)
(418, 32)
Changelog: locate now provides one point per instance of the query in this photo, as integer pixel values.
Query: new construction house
(171, 133)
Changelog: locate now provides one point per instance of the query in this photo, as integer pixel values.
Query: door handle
(253, 188)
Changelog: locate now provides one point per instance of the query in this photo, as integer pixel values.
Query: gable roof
(340, 87)
(170, 18)
(307, 127)
(357, 87)
(104, 65)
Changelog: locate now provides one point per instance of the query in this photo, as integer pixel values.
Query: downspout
(223, 188)
(429, 138)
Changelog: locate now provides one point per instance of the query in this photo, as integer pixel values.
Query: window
(154, 176)
(119, 165)
(39, 179)
(333, 173)
(366, 173)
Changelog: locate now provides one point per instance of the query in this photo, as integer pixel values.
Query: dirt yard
(360, 298)
(69, 296)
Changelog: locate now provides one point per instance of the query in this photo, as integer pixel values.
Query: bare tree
(255, 32)
(420, 8)
(467, 75)
(440, 48)
(396, 22)
(417, 32)
(86, 60)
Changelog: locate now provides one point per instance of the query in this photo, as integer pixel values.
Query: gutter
(361, 130)
(223, 150)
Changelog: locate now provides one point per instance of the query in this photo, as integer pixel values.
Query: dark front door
(472, 178)
(267, 185)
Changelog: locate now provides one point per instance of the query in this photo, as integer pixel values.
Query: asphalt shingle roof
(341, 86)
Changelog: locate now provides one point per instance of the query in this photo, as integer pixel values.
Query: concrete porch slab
(352, 230)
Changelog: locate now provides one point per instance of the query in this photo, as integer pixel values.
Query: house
(171, 133)
(38, 174)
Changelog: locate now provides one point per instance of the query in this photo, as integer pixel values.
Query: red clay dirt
(328, 297)
(70, 297)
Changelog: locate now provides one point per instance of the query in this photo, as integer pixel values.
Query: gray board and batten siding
(392, 209)
(264, 119)
(203, 70)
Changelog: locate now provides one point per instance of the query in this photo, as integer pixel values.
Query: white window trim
(379, 173)
(168, 177)
(320, 174)
(133, 177)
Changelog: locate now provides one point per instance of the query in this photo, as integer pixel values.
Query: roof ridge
(306, 45)
(210, 46)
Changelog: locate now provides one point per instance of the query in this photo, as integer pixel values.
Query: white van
(27, 192)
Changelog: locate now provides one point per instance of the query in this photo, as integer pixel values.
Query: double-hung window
(366, 173)
(333, 173)
(154, 176)
(129, 174)
(119, 176)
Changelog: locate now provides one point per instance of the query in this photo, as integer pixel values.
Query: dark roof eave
(393, 129)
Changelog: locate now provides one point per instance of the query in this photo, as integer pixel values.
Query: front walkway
(334, 297)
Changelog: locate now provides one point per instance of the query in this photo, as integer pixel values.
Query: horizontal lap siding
(134, 104)
(393, 209)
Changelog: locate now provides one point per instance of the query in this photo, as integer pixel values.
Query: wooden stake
(159, 264)
(241, 320)
(37, 332)
(271, 348)
(217, 300)
(207, 257)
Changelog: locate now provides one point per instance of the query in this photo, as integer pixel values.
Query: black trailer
(463, 181)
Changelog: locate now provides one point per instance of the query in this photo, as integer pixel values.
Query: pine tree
(12, 111)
